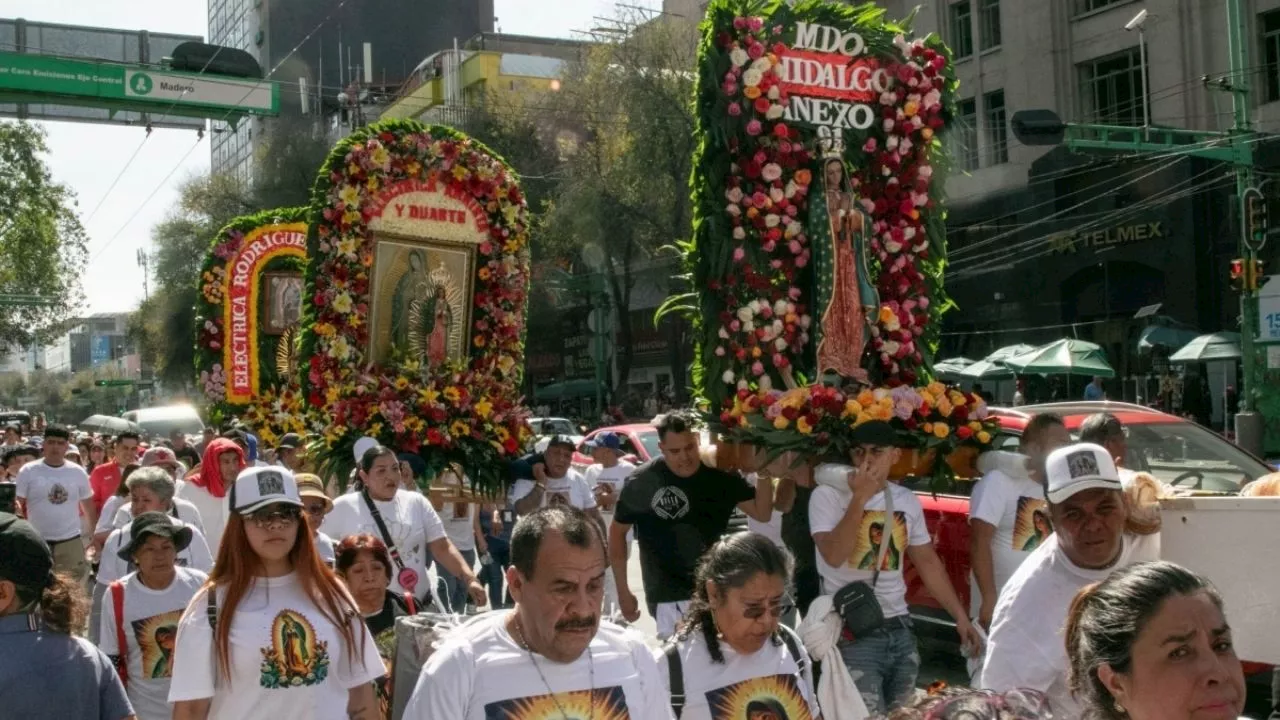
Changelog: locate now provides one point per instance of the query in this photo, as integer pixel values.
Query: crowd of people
(204, 582)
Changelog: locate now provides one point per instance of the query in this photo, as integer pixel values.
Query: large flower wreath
(750, 256)
(467, 414)
(271, 409)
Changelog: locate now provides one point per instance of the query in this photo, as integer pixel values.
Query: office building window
(967, 133)
(989, 24)
(1111, 89)
(1270, 24)
(996, 127)
(961, 22)
(1084, 6)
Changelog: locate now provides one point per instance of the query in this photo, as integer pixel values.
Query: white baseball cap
(1080, 467)
(258, 487)
(364, 445)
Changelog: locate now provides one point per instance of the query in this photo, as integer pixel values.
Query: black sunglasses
(276, 514)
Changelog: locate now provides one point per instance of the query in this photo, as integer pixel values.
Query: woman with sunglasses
(731, 652)
(281, 637)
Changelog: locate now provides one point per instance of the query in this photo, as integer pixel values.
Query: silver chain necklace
(591, 673)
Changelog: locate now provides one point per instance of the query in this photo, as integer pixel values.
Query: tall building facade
(317, 49)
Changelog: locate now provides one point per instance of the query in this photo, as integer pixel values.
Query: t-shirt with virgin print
(743, 687)
(827, 506)
(1016, 507)
(675, 520)
(288, 661)
(481, 673)
(150, 621)
(410, 519)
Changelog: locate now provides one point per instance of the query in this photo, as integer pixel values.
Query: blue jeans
(884, 665)
(452, 591)
(495, 572)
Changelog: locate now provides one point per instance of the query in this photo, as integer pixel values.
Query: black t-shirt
(188, 456)
(676, 519)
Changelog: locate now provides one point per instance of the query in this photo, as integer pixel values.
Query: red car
(1175, 450)
(639, 444)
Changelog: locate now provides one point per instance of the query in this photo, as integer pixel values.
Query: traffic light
(1256, 212)
(1238, 281)
(1260, 277)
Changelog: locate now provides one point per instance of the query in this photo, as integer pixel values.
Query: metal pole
(597, 295)
(1146, 97)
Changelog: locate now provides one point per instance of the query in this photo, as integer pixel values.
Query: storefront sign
(244, 271)
(426, 209)
(1096, 239)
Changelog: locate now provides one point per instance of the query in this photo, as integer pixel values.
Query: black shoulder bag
(856, 603)
(406, 577)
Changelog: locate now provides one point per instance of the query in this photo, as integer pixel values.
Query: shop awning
(565, 389)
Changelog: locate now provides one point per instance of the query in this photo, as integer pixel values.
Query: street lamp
(598, 320)
(1139, 23)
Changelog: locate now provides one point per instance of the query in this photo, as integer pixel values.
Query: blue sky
(89, 157)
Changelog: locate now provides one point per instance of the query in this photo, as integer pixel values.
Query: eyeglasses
(266, 517)
(315, 508)
(755, 612)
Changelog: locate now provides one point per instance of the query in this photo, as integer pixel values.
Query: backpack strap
(793, 646)
(122, 648)
(675, 674)
(211, 608)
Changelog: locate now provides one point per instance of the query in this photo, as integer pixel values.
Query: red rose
(963, 432)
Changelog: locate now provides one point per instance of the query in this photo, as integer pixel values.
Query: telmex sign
(1123, 235)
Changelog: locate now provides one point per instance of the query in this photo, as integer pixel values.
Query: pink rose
(757, 368)
(739, 23)
(753, 127)
(734, 108)
(738, 254)
(794, 246)
(755, 51)
(755, 24)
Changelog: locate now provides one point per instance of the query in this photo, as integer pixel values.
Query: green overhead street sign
(113, 383)
(26, 77)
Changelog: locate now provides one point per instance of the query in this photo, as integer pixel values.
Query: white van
(158, 422)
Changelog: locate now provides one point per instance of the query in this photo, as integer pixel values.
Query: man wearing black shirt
(183, 451)
(679, 507)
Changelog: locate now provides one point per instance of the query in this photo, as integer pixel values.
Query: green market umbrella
(992, 366)
(951, 368)
(1063, 357)
(1214, 346)
(1164, 336)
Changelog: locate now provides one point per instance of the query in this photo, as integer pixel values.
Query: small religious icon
(420, 302)
(284, 302)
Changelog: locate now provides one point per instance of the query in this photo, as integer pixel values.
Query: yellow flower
(479, 341)
(460, 172)
(957, 398)
(354, 320)
(380, 157)
(459, 429)
(944, 407)
(886, 314)
(452, 394)
(937, 389)
(502, 433)
(975, 426)
(331, 394)
(851, 409)
(347, 246)
(911, 108)
(484, 409)
(375, 429)
(351, 217)
(866, 398)
(427, 395)
(484, 273)
(402, 382)
(349, 195)
(941, 430)
(752, 92)
(412, 168)
(862, 418)
(984, 437)
(505, 363)
(928, 428)
(802, 424)
(342, 303)
(780, 422)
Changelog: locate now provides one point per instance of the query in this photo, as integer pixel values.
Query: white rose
(774, 112)
(739, 233)
(744, 314)
(791, 188)
(723, 333)
(738, 57)
(744, 385)
(771, 220)
(734, 195)
(780, 308)
(774, 93)
(748, 327)
(805, 321)
(728, 377)
(766, 383)
(776, 195)
(752, 78)
(733, 210)
(780, 344)
(762, 64)
(755, 307)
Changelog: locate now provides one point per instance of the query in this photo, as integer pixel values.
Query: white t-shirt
(571, 489)
(615, 476)
(1010, 504)
(771, 529)
(480, 673)
(287, 659)
(112, 567)
(1026, 648)
(410, 519)
(53, 496)
(186, 512)
(324, 546)
(150, 632)
(458, 518)
(827, 506)
(214, 511)
(106, 518)
(766, 679)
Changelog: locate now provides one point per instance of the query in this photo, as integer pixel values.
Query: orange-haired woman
(274, 634)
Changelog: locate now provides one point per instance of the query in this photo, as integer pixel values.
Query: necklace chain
(523, 642)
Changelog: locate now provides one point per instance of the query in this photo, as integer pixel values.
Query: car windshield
(1190, 457)
(649, 438)
(553, 426)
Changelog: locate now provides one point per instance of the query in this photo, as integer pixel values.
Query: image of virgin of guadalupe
(409, 288)
(847, 300)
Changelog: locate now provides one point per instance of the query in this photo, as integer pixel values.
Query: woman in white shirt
(274, 634)
(731, 656)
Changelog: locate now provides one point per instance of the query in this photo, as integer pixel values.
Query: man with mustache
(551, 650)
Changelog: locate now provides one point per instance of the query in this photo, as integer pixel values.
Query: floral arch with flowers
(401, 179)
(782, 88)
(246, 359)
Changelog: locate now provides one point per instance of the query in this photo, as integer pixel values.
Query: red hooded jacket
(210, 475)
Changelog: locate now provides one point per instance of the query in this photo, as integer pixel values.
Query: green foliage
(43, 247)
